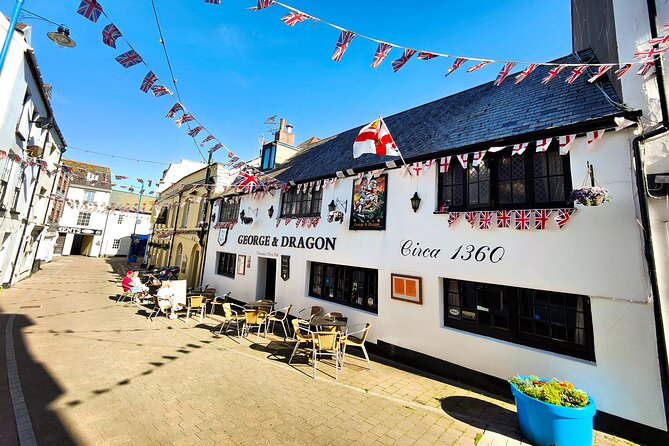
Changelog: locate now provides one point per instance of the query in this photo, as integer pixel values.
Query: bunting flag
(565, 143)
(485, 219)
(452, 218)
(90, 9)
(381, 52)
(503, 219)
(522, 220)
(173, 111)
(518, 149)
(193, 132)
(645, 67)
(375, 138)
(399, 63)
(470, 217)
(457, 64)
(159, 90)
(120, 177)
(622, 70)
(213, 2)
(600, 72)
(622, 123)
(293, 18)
(542, 144)
(594, 136)
(140, 180)
(478, 158)
(417, 168)
(463, 159)
(206, 140)
(426, 55)
(575, 73)
(148, 82)
(552, 73)
(563, 216)
(186, 117)
(129, 59)
(110, 34)
(149, 183)
(496, 149)
(651, 53)
(660, 41)
(215, 147)
(344, 41)
(541, 217)
(246, 182)
(504, 73)
(444, 163)
(428, 164)
(526, 72)
(478, 65)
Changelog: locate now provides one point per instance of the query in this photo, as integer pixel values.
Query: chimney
(285, 133)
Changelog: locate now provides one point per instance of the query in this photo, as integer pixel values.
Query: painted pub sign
(368, 209)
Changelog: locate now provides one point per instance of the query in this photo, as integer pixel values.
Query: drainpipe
(205, 221)
(174, 230)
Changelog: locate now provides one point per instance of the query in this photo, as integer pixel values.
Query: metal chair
(305, 314)
(232, 313)
(357, 339)
(219, 299)
(327, 343)
(195, 304)
(159, 306)
(253, 318)
(280, 316)
(302, 335)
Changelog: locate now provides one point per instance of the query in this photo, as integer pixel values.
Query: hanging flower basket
(590, 196)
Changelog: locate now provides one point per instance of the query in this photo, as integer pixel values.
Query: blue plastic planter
(546, 424)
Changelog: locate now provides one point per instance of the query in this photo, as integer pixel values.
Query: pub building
(476, 269)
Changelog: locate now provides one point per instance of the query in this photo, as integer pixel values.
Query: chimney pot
(289, 128)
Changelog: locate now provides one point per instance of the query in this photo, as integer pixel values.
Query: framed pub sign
(368, 205)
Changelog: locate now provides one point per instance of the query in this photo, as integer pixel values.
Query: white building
(176, 171)
(126, 216)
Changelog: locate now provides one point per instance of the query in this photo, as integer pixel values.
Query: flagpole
(398, 149)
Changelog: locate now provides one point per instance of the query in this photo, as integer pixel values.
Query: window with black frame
(502, 181)
(229, 210)
(303, 204)
(548, 320)
(226, 263)
(346, 285)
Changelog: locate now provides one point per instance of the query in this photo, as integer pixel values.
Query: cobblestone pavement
(95, 372)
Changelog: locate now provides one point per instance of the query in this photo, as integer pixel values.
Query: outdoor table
(260, 304)
(321, 321)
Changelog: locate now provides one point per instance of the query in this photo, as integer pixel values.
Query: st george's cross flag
(594, 136)
(129, 59)
(343, 42)
(565, 143)
(518, 149)
(109, 35)
(148, 81)
(90, 9)
(399, 63)
(375, 138)
(444, 164)
(381, 52)
(542, 144)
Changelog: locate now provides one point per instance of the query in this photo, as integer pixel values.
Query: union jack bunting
(541, 217)
(575, 73)
(644, 68)
(193, 133)
(215, 147)
(504, 72)
(159, 90)
(207, 139)
(503, 219)
(478, 65)
(399, 63)
(148, 81)
(651, 53)
(381, 52)
(186, 117)
(213, 2)
(594, 136)
(526, 72)
(485, 219)
(522, 220)
(463, 159)
(457, 64)
(552, 73)
(478, 157)
(660, 41)
(600, 72)
(149, 182)
(563, 216)
(173, 111)
(344, 41)
(565, 143)
(293, 18)
(90, 9)
(542, 144)
(129, 59)
(417, 168)
(471, 218)
(620, 72)
(518, 149)
(444, 163)
(262, 4)
(426, 55)
(109, 35)
(140, 180)
(120, 177)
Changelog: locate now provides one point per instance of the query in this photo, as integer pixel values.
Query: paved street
(94, 372)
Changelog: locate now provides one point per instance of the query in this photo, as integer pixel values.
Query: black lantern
(415, 201)
(270, 211)
(332, 206)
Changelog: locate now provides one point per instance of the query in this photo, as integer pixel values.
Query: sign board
(285, 267)
(84, 231)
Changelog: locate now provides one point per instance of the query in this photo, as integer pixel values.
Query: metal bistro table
(321, 321)
(267, 305)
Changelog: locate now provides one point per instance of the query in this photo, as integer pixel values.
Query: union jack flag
(232, 160)
(381, 52)
(186, 117)
(246, 182)
(563, 216)
(552, 73)
(215, 147)
(159, 90)
(344, 41)
(173, 111)
(109, 35)
(426, 55)
(452, 218)
(565, 143)
(575, 73)
(193, 132)
(620, 72)
(644, 68)
(526, 72)
(661, 41)
(522, 220)
(444, 163)
(478, 65)
(457, 64)
(652, 53)
(485, 219)
(463, 159)
(120, 177)
(518, 149)
(471, 218)
(542, 144)
(207, 139)
(140, 180)
(262, 4)
(503, 73)
(148, 81)
(503, 219)
(129, 59)
(293, 18)
(90, 9)
(399, 63)
(541, 217)
(600, 72)
(213, 2)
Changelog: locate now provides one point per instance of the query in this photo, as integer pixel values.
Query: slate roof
(79, 174)
(473, 119)
(130, 200)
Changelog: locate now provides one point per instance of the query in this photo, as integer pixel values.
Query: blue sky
(236, 67)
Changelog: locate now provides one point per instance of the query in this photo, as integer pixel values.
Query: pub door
(270, 279)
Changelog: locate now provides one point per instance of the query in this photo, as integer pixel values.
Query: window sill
(510, 209)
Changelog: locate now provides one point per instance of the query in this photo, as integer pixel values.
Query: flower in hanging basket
(590, 196)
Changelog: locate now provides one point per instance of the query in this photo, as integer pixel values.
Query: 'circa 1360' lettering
(413, 249)
(320, 243)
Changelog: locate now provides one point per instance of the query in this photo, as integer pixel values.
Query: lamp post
(10, 31)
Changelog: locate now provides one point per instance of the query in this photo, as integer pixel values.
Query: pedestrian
(126, 283)
(167, 293)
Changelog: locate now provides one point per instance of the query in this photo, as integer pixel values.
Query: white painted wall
(97, 221)
(122, 231)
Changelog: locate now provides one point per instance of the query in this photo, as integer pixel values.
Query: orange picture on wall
(406, 288)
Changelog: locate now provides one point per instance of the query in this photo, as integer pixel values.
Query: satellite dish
(62, 37)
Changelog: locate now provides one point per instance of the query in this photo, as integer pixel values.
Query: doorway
(75, 250)
(270, 279)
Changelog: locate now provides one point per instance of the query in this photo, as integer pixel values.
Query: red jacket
(126, 283)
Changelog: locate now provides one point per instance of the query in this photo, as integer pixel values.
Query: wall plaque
(285, 267)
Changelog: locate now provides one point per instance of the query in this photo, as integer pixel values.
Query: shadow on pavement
(483, 415)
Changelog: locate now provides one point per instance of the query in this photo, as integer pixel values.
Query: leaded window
(346, 285)
(226, 264)
(303, 204)
(229, 210)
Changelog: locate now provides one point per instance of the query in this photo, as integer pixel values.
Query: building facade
(128, 214)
